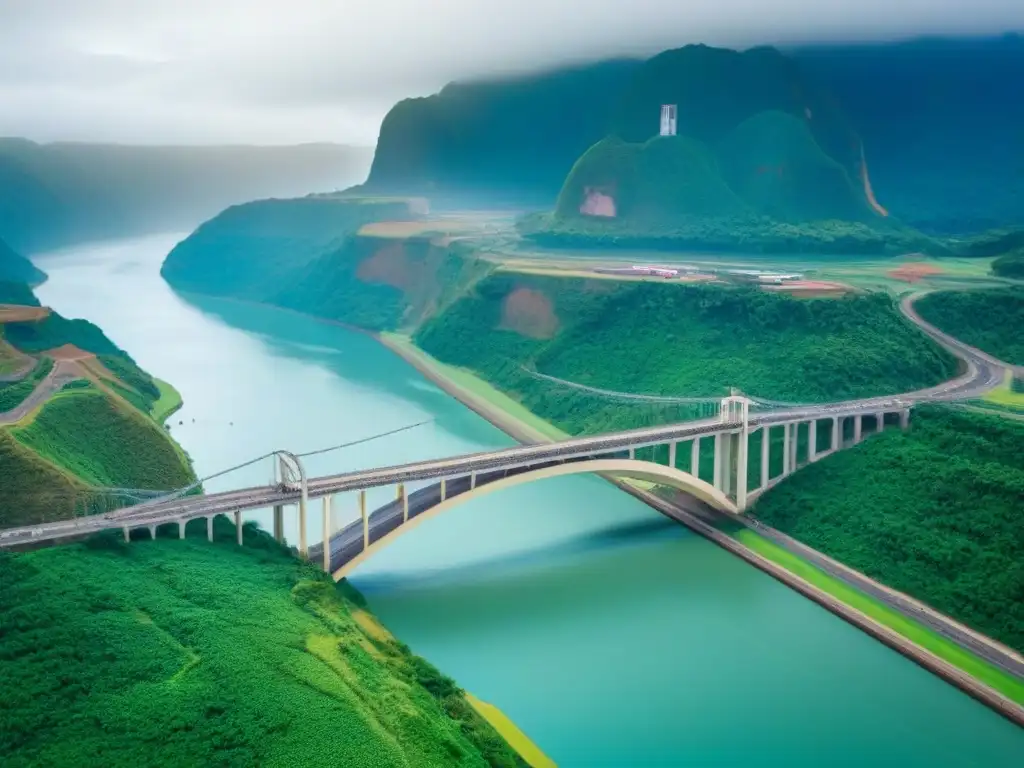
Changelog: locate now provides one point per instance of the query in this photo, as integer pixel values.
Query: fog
(274, 72)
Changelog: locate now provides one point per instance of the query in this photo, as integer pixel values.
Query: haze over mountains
(53, 195)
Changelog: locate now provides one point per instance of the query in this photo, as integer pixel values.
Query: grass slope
(651, 338)
(181, 653)
(934, 512)
(988, 320)
(103, 443)
(34, 490)
(12, 394)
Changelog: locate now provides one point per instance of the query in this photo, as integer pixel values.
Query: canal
(610, 635)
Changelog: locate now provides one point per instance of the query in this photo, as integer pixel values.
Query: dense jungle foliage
(992, 321)
(934, 512)
(13, 393)
(1010, 265)
(179, 653)
(87, 434)
(655, 339)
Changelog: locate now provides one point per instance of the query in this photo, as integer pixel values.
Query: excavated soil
(911, 273)
(529, 313)
(390, 265)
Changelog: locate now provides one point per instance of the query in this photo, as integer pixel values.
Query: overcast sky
(285, 71)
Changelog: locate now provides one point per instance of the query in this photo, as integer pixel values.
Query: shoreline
(493, 413)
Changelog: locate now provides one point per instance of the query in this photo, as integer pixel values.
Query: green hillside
(934, 512)
(1010, 265)
(15, 268)
(58, 194)
(773, 163)
(988, 320)
(182, 653)
(248, 251)
(33, 490)
(664, 339)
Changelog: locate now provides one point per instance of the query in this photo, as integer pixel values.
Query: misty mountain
(53, 195)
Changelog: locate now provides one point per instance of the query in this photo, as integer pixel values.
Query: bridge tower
(732, 448)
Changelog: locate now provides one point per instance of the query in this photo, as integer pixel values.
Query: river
(609, 635)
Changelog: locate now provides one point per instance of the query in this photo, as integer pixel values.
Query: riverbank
(1000, 691)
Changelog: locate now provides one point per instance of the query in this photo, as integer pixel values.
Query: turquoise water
(611, 636)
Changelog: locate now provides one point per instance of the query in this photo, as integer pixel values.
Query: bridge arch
(629, 469)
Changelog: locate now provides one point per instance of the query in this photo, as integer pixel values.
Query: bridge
(632, 454)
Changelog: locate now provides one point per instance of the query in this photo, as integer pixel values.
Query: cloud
(282, 71)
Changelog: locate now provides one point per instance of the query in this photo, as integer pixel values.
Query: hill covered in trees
(53, 195)
(15, 268)
(184, 653)
(988, 320)
(673, 340)
(934, 512)
(924, 126)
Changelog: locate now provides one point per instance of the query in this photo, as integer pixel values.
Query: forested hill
(939, 128)
(15, 268)
(53, 195)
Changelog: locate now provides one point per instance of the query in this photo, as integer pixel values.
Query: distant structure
(668, 119)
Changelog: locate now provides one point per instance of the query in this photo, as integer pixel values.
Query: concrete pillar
(472, 480)
(209, 529)
(743, 446)
(904, 418)
(632, 453)
(858, 426)
(444, 489)
(303, 549)
(127, 535)
(695, 457)
(366, 520)
(812, 440)
(837, 432)
(404, 498)
(279, 522)
(719, 451)
(181, 529)
(766, 446)
(152, 532)
(238, 526)
(327, 533)
(728, 460)
(672, 454)
(787, 449)
(880, 422)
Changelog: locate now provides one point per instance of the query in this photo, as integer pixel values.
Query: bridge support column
(837, 432)
(209, 529)
(127, 535)
(812, 440)
(279, 523)
(328, 500)
(858, 426)
(717, 480)
(672, 454)
(444, 489)
(366, 521)
(904, 418)
(152, 532)
(787, 449)
(303, 549)
(181, 529)
(238, 526)
(880, 422)
(632, 453)
(402, 497)
(766, 447)
(742, 454)
(472, 480)
(695, 458)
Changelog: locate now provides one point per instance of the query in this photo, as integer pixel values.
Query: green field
(988, 320)
(105, 444)
(182, 653)
(933, 512)
(168, 402)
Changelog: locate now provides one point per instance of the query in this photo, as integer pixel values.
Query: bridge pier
(719, 450)
(632, 453)
(328, 502)
(695, 457)
(766, 447)
(672, 454)
(904, 418)
(444, 489)
(837, 432)
(812, 440)
(858, 426)
(742, 438)
(238, 526)
(402, 497)
(209, 529)
(366, 522)
(303, 549)
(787, 449)
(127, 535)
(152, 532)
(181, 529)
(472, 480)
(279, 523)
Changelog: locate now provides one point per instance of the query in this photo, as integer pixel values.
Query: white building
(668, 119)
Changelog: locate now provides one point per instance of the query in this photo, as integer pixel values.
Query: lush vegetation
(33, 490)
(103, 443)
(16, 268)
(12, 394)
(14, 292)
(1010, 265)
(934, 512)
(180, 653)
(988, 320)
(58, 194)
(664, 339)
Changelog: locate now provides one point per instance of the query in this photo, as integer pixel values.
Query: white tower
(668, 119)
